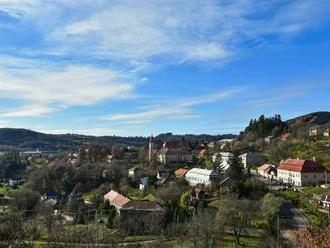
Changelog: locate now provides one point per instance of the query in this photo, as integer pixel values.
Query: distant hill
(309, 120)
(23, 139)
(275, 126)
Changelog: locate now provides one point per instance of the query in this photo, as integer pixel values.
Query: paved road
(293, 218)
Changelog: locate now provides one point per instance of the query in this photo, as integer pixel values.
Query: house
(141, 218)
(172, 152)
(268, 139)
(164, 173)
(143, 183)
(268, 171)
(135, 172)
(180, 173)
(202, 153)
(286, 136)
(211, 144)
(114, 160)
(313, 132)
(198, 176)
(115, 199)
(252, 159)
(301, 172)
(52, 204)
(326, 133)
(325, 201)
(33, 154)
(225, 157)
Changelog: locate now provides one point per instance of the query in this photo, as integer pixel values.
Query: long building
(205, 177)
(302, 172)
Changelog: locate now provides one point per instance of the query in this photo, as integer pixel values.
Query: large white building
(301, 172)
(225, 157)
(252, 159)
(205, 177)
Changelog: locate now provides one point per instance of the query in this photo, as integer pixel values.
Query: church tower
(151, 147)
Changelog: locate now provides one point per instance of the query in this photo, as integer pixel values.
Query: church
(170, 152)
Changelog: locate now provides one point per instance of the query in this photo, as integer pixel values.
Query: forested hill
(23, 139)
(275, 126)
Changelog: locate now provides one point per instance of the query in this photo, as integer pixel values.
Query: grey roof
(142, 206)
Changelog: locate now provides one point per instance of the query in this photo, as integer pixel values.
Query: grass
(229, 242)
(315, 190)
(302, 200)
(3, 190)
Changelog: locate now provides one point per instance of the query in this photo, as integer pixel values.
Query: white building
(197, 176)
(252, 159)
(301, 172)
(225, 157)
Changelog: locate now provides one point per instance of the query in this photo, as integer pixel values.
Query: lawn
(316, 190)
(302, 200)
(2, 189)
(229, 242)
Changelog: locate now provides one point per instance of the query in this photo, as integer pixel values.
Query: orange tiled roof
(116, 199)
(298, 165)
(180, 172)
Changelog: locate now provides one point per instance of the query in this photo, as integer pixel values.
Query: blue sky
(127, 68)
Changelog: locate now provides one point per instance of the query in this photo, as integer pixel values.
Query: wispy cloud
(162, 31)
(44, 90)
(179, 109)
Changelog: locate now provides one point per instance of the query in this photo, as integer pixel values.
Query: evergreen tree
(236, 169)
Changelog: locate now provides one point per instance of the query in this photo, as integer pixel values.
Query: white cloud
(156, 113)
(184, 30)
(27, 111)
(179, 111)
(44, 90)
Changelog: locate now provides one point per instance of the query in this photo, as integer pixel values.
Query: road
(293, 218)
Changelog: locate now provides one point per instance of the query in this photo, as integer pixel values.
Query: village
(145, 191)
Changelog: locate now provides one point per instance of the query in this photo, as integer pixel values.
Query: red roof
(303, 166)
(264, 167)
(180, 172)
(171, 145)
(116, 199)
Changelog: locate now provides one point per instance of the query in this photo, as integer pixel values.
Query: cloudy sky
(106, 67)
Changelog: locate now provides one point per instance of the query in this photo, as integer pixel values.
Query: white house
(197, 176)
(301, 172)
(252, 159)
(325, 201)
(225, 157)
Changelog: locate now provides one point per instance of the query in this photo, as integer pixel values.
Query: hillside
(274, 126)
(23, 139)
